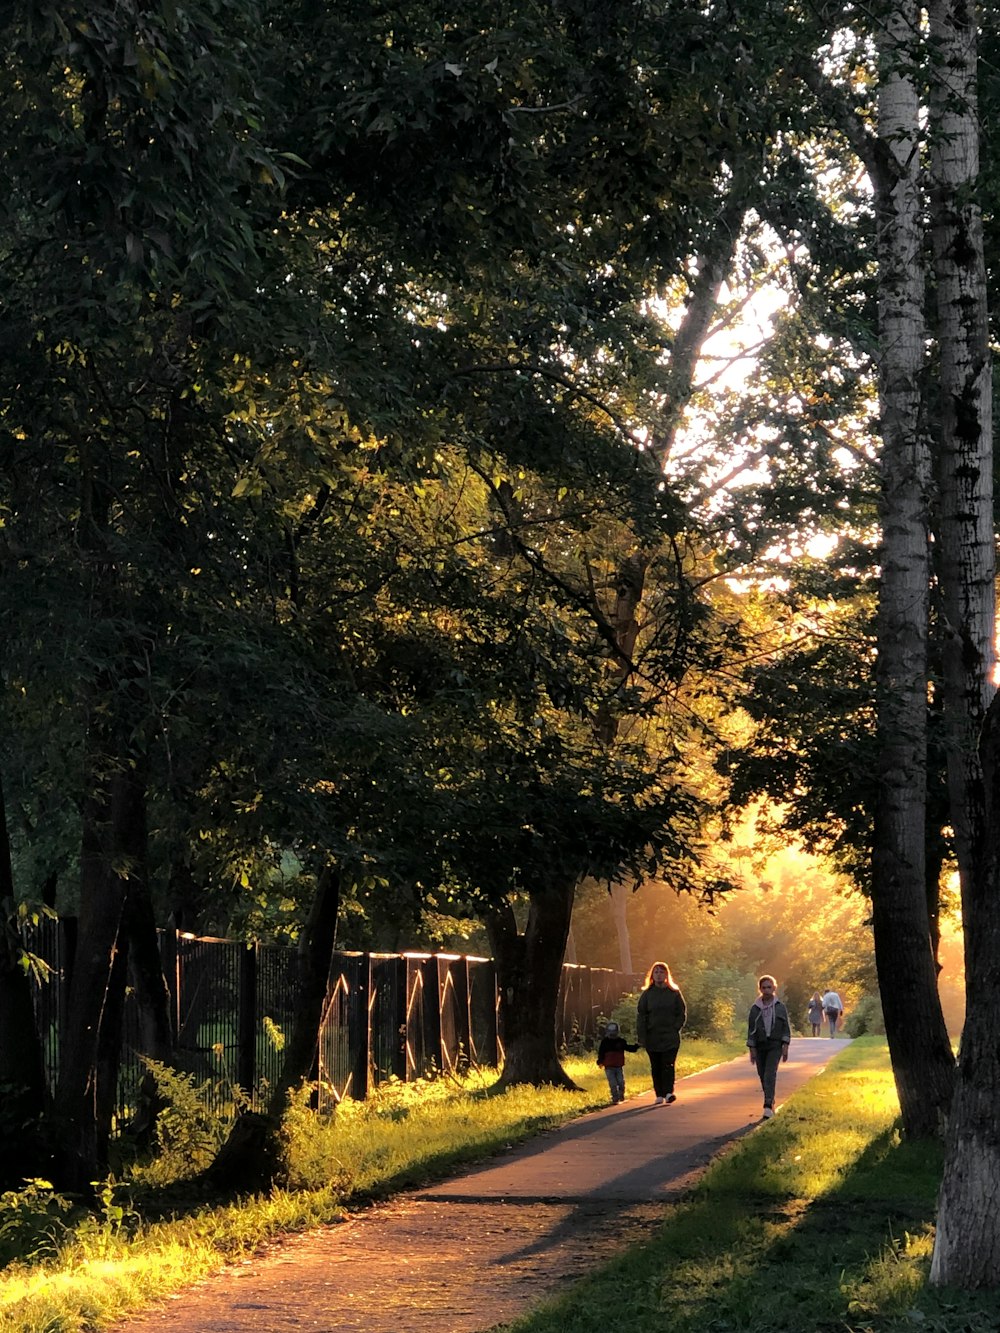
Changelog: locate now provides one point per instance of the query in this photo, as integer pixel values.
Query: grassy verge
(821, 1221)
(112, 1264)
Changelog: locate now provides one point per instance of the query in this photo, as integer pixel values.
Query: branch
(532, 368)
(882, 168)
(533, 558)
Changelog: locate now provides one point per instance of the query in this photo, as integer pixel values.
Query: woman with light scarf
(768, 1035)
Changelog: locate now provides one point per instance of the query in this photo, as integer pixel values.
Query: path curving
(485, 1245)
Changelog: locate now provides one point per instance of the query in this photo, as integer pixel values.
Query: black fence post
(463, 1011)
(359, 1028)
(431, 1013)
(68, 929)
(413, 1035)
(484, 1046)
(563, 1003)
(167, 940)
(246, 1021)
(399, 1056)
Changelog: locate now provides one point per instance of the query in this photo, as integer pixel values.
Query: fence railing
(387, 1016)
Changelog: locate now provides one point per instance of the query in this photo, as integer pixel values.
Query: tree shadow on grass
(727, 1262)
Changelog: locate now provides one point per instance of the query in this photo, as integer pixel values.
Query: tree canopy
(377, 531)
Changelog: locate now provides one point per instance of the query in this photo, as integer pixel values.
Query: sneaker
(659, 1101)
(768, 1112)
(671, 1097)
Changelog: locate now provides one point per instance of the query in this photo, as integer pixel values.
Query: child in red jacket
(611, 1058)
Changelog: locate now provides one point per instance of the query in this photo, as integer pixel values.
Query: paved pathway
(486, 1245)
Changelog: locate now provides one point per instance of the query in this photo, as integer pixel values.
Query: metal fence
(386, 1016)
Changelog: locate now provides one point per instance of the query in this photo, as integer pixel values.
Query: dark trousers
(661, 1066)
(768, 1059)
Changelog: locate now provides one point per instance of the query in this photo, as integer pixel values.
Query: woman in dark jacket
(660, 1016)
(768, 1035)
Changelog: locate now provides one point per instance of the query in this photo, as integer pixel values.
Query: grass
(821, 1221)
(90, 1275)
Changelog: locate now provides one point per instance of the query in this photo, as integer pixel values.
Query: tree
(125, 253)
(967, 1240)
(923, 1068)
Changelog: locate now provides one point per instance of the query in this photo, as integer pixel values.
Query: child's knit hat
(611, 1030)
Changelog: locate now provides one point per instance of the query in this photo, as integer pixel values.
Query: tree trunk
(529, 972)
(964, 540)
(108, 836)
(252, 1158)
(22, 1066)
(967, 1240)
(918, 1040)
(109, 1050)
(620, 894)
(316, 946)
(149, 986)
(156, 1037)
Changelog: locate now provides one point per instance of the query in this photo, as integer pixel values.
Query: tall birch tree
(967, 1242)
(921, 1054)
(922, 1060)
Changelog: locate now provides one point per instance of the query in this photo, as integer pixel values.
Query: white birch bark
(967, 1243)
(964, 546)
(899, 904)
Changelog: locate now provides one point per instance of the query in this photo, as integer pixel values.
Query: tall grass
(69, 1276)
(821, 1221)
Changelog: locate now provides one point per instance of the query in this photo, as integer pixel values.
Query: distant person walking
(611, 1058)
(833, 1007)
(768, 1035)
(816, 1013)
(660, 1015)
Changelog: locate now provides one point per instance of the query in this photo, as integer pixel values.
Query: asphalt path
(488, 1244)
(638, 1152)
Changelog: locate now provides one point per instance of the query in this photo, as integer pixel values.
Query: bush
(718, 1000)
(865, 1017)
(188, 1131)
(34, 1222)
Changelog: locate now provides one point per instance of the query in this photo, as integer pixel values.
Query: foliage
(365, 514)
(341, 357)
(188, 1129)
(353, 448)
(810, 751)
(865, 1017)
(794, 918)
(34, 1222)
(110, 1222)
(717, 1000)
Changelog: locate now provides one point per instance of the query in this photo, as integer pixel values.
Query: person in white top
(833, 1007)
